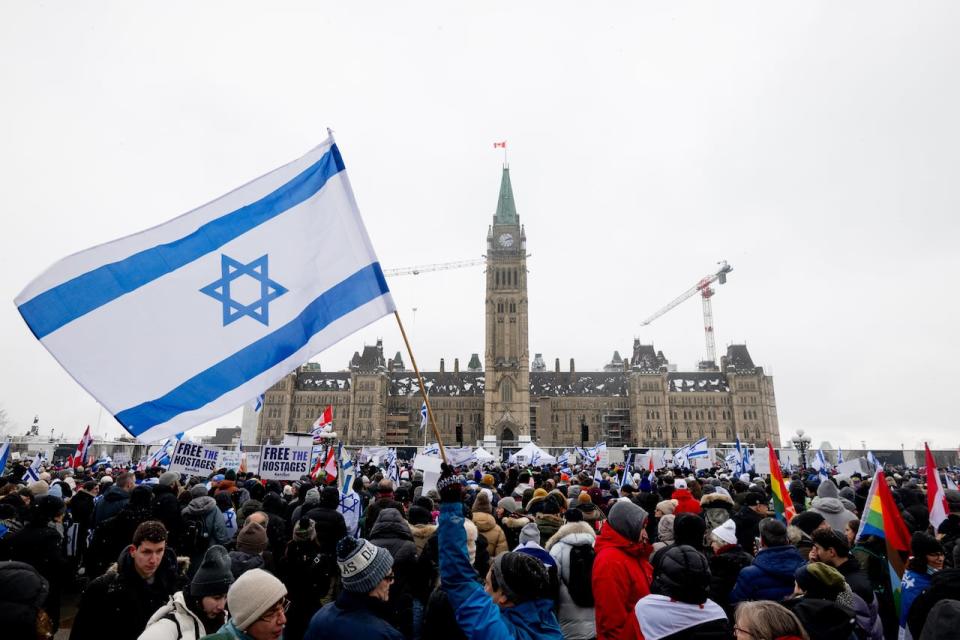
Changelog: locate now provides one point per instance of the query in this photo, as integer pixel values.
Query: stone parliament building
(639, 401)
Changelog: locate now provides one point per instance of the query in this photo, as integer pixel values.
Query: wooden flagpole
(423, 389)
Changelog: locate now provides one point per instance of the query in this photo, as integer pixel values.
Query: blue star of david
(230, 270)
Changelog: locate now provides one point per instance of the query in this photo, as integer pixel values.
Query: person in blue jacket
(770, 577)
(510, 605)
(360, 611)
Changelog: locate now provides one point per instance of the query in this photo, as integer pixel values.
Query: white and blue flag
(4, 455)
(626, 478)
(423, 416)
(698, 449)
(839, 455)
(746, 465)
(222, 301)
(820, 463)
(33, 471)
(872, 459)
(258, 403)
(563, 460)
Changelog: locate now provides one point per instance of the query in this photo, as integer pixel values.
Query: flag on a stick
(83, 449)
(936, 497)
(882, 518)
(174, 295)
(782, 503)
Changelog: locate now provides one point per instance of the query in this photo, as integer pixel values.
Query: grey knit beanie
(252, 595)
(530, 533)
(362, 564)
(627, 519)
(213, 578)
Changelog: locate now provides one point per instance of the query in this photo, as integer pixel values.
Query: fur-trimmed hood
(571, 528)
(711, 500)
(515, 523)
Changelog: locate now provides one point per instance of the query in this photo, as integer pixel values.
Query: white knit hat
(679, 483)
(727, 532)
(252, 595)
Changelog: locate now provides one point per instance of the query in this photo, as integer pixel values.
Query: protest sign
(228, 459)
(431, 471)
(193, 459)
(761, 462)
(283, 462)
(857, 465)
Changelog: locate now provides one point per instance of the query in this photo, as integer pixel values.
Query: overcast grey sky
(814, 146)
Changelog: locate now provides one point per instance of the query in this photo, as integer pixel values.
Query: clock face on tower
(505, 240)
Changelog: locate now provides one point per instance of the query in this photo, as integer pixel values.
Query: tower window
(506, 391)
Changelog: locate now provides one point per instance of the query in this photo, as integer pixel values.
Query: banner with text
(283, 462)
(193, 459)
(228, 459)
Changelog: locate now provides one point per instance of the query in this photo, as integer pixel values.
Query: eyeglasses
(390, 577)
(737, 630)
(274, 612)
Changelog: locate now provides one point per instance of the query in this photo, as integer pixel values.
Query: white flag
(698, 449)
(222, 301)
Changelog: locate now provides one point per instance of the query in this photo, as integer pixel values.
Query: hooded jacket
(943, 622)
(828, 504)
(421, 533)
(392, 532)
(717, 509)
(23, 592)
(487, 525)
(110, 505)
(576, 622)
(823, 619)
(205, 508)
(770, 577)
(512, 525)
(174, 621)
(621, 576)
(686, 503)
(475, 610)
(726, 563)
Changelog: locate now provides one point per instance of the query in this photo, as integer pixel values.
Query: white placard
(857, 465)
(604, 459)
(283, 462)
(253, 461)
(193, 459)
(702, 463)
(427, 463)
(761, 461)
(228, 459)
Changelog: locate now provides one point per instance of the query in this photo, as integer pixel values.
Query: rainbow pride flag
(782, 504)
(882, 519)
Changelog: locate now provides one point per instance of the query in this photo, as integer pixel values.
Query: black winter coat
(112, 536)
(110, 505)
(393, 534)
(725, 566)
(373, 511)
(748, 527)
(167, 509)
(41, 547)
(945, 585)
(823, 619)
(119, 603)
(23, 592)
(330, 527)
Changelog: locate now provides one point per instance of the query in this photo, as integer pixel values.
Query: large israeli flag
(699, 449)
(179, 324)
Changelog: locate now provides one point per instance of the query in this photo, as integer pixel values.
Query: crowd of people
(493, 552)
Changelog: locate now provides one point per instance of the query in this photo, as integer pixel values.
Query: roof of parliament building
(470, 383)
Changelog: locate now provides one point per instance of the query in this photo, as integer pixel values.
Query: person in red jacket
(621, 571)
(686, 503)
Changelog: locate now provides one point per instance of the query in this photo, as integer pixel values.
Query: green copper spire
(506, 208)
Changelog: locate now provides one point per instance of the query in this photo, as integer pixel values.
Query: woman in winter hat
(824, 602)
(199, 609)
(726, 562)
(573, 544)
(482, 516)
(360, 611)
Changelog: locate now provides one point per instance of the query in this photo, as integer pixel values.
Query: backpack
(580, 585)
(194, 538)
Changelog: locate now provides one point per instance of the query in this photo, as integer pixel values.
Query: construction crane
(440, 266)
(706, 292)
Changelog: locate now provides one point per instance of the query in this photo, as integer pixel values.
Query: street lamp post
(801, 443)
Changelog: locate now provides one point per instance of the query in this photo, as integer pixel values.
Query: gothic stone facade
(636, 401)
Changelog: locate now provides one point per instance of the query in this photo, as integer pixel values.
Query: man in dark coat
(119, 603)
(771, 575)
(329, 522)
(166, 508)
(81, 512)
(391, 532)
(114, 534)
(755, 508)
(114, 499)
(385, 500)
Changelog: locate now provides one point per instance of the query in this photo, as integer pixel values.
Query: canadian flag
(328, 464)
(936, 498)
(83, 449)
(323, 424)
(501, 145)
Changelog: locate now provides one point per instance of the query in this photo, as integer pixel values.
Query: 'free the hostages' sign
(193, 459)
(284, 462)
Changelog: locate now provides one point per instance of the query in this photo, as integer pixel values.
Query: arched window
(673, 432)
(506, 391)
(659, 433)
(689, 433)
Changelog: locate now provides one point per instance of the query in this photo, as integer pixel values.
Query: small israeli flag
(258, 403)
(872, 459)
(223, 301)
(747, 464)
(423, 416)
(33, 471)
(839, 455)
(4, 455)
(698, 449)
